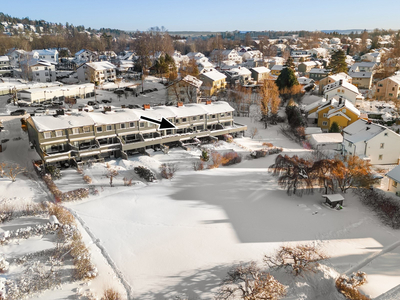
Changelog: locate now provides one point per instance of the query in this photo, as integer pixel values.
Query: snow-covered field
(180, 236)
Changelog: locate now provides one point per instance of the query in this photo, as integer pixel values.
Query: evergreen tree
(287, 79)
(290, 62)
(338, 62)
(334, 128)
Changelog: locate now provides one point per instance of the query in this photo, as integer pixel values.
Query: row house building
(80, 136)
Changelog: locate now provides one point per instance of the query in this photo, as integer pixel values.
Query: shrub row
(264, 152)
(67, 196)
(386, 207)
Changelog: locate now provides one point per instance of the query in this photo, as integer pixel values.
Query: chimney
(107, 108)
(179, 104)
(340, 81)
(340, 100)
(146, 106)
(208, 102)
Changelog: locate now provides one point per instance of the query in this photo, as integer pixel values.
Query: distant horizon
(210, 16)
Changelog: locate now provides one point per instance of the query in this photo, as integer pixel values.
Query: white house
(45, 54)
(85, 55)
(4, 64)
(37, 70)
(97, 72)
(394, 180)
(372, 142)
(186, 90)
(343, 89)
(372, 57)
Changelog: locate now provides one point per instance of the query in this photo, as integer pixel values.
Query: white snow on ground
(180, 236)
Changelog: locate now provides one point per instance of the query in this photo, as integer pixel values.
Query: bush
(205, 156)
(111, 294)
(258, 153)
(145, 173)
(269, 145)
(216, 160)
(53, 171)
(227, 138)
(348, 286)
(62, 214)
(168, 170)
(75, 194)
(231, 158)
(87, 179)
(127, 182)
(81, 255)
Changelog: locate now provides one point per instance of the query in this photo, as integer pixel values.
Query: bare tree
(11, 170)
(253, 132)
(111, 173)
(250, 282)
(298, 258)
(269, 100)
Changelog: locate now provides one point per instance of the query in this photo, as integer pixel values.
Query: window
(228, 114)
(390, 95)
(75, 130)
(378, 90)
(324, 123)
(201, 117)
(131, 124)
(344, 110)
(380, 85)
(47, 73)
(380, 157)
(99, 129)
(86, 129)
(183, 119)
(222, 115)
(394, 183)
(59, 133)
(382, 145)
(386, 133)
(141, 124)
(325, 115)
(108, 128)
(349, 144)
(47, 135)
(194, 118)
(122, 126)
(213, 116)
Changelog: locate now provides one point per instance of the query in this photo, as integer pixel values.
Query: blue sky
(216, 15)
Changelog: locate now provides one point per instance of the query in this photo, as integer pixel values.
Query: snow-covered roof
(318, 71)
(214, 75)
(78, 119)
(193, 81)
(58, 88)
(327, 138)
(362, 130)
(277, 67)
(360, 74)
(312, 130)
(239, 71)
(314, 104)
(394, 174)
(261, 70)
(338, 76)
(343, 84)
(46, 51)
(101, 65)
(4, 58)
(395, 78)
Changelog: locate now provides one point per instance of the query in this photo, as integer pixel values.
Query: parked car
(92, 103)
(119, 91)
(18, 112)
(40, 110)
(106, 101)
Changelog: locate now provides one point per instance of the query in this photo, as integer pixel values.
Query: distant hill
(346, 31)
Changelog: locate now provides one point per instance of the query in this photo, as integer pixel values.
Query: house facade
(186, 90)
(276, 70)
(36, 70)
(373, 142)
(5, 66)
(77, 137)
(388, 88)
(394, 181)
(343, 89)
(333, 78)
(213, 82)
(97, 72)
(362, 80)
(240, 75)
(318, 74)
(259, 74)
(50, 55)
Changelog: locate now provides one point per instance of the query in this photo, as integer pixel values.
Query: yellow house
(338, 110)
(276, 70)
(213, 81)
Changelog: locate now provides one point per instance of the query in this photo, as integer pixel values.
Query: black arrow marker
(163, 124)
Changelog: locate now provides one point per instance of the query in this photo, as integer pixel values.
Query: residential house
(338, 110)
(305, 67)
(317, 74)
(97, 72)
(362, 80)
(238, 75)
(36, 70)
(277, 69)
(394, 180)
(388, 88)
(16, 56)
(185, 90)
(372, 57)
(50, 55)
(213, 82)
(5, 66)
(318, 52)
(373, 142)
(259, 74)
(85, 55)
(333, 78)
(252, 55)
(76, 137)
(364, 66)
(343, 89)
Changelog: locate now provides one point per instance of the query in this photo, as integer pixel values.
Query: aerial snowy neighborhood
(157, 164)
